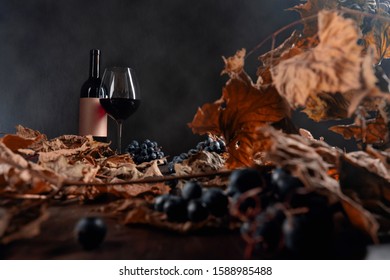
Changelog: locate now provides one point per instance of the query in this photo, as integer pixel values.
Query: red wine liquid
(120, 108)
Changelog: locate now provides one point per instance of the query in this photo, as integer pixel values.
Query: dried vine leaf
(367, 181)
(371, 131)
(374, 131)
(309, 160)
(14, 142)
(311, 8)
(335, 66)
(234, 65)
(242, 108)
(379, 39)
(365, 176)
(16, 223)
(290, 47)
(201, 162)
(17, 176)
(360, 217)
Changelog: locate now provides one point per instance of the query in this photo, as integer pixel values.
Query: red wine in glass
(120, 108)
(119, 96)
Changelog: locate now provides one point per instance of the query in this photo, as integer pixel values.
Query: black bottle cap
(95, 52)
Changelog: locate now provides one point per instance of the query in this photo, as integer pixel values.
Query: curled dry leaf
(335, 66)
(311, 8)
(292, 46)
(309, 160)
(17, 176)
(367, 181)
(236, 116)
(371, 131)
(379, 37)
(234, 65)
(202, 162)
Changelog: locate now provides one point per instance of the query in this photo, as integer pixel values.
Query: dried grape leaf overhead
(242, 108)
(335, 66)
(368, 15)
(371, 131)
(311, 8)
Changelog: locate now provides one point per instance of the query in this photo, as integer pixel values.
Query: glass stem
(119, 147)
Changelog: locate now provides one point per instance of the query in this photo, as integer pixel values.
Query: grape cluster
(145, 151)
(286, 220)
(215, 145)
(194, 204)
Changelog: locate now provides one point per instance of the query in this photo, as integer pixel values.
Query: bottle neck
(94, 64)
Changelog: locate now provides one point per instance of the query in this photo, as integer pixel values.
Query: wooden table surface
(57, 241)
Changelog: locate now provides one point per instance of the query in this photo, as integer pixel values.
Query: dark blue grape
(215, 147)
(192, 152)
(192, 190)
(183, 156)
(284, 182)
(308, 235)
(216, 201)
(90, 232)
(134, 143)
(197, 211)
(243, 180)
(153, 156)
(269, 230)
(159, 202)
(176, 209)
(222, 145)
(160, 154)
(246, 204)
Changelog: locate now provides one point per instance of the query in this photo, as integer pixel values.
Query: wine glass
(119, 96)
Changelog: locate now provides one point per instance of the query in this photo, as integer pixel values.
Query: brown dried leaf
(77, 171)
(367, 181)
(309, 160)
(22, 224)
(374, 131)
(201, 162)
(360, 217)
(234, 65)
(371, 131)
(364, 175)
(335, 66)
(379, 39)
(290, 47)
(133, 190)
(311, 8)
(28, 133)
(14, 142)
(242, 108)
(8, 157)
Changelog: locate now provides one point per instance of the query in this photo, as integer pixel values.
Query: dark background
(174, 45)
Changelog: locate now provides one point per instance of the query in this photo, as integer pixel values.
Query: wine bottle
(92, 116)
